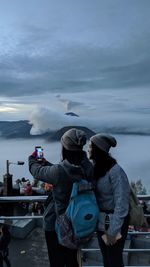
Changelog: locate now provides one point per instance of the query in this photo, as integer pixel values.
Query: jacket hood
(73, 171)
(77, 172)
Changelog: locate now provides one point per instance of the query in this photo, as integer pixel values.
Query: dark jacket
(61, 176)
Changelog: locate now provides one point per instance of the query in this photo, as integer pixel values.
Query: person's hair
(74, 157)
(103, 161)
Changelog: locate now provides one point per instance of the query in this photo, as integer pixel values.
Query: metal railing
(130, 233)
(42, 198)
(20, 199)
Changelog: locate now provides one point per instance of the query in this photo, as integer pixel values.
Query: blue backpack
(76, 226)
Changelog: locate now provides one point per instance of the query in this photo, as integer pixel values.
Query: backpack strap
(55, 205)
(85, 187)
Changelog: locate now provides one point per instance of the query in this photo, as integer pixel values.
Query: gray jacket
(112, 192)
(61, 176)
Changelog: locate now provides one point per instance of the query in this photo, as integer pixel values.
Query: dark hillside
(56, 136)
(21, 129)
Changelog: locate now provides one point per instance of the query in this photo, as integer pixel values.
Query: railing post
(79, 257)
(7, 191)
(7, 178)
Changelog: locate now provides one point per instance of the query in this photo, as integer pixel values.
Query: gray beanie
(104, 141)
(73, 139)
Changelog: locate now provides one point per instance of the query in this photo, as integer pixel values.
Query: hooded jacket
(61, 176)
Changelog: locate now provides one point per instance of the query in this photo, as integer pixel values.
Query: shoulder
(56, 169)
(118, 175)
(117, 169)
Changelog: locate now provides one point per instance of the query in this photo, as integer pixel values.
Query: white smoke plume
(68, 104)
(45, 120)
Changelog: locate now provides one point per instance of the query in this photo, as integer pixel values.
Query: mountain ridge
(21, 129)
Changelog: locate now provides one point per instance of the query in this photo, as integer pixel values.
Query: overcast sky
(85, 56)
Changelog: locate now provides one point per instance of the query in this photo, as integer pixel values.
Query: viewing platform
(32, 252)
(28, 246)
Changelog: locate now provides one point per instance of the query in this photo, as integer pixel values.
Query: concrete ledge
(21, 228)
(39, 222)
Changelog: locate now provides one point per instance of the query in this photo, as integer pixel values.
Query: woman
(74, 164)
(112, 193)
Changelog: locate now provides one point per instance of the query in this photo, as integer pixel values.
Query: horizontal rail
(44, 197)
(134, 250)
(125, 250)
(23, 198)
(143, 197)
(138, 233)
(21, 217)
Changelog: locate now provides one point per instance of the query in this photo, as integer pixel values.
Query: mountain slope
(21, 129)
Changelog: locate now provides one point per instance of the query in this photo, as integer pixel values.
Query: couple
(112, 193)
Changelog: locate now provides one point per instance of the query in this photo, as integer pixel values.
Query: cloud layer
(73, 46)
(88, 57)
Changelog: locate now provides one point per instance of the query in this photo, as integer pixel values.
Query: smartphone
(39, 152)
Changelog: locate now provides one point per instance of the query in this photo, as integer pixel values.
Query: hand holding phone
(39, 153)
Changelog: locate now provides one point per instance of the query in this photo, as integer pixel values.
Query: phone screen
(39, 151)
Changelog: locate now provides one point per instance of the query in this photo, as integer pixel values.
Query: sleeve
(46, 172)
(121, 190)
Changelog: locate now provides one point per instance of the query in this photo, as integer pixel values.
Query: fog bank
(131, 152)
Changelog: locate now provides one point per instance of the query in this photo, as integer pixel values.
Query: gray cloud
(52, 51)
(74, 71)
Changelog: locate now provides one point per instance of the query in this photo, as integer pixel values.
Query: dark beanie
(104, 141)
(73, 139)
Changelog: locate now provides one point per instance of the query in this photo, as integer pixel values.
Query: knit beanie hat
(104, 141)
(73, 139)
